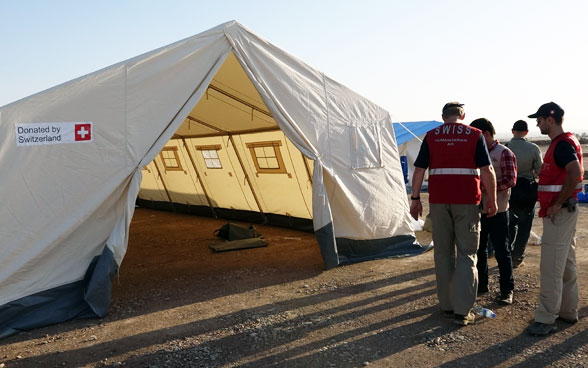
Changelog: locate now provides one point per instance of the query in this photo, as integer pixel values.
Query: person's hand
(552, 210)
(491, 208)
(416, 209)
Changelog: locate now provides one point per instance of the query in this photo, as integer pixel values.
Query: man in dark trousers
(559, 183)
(495, 228)
(457, 158)
(523, 195)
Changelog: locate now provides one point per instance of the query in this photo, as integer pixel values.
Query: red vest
(453, 174)
(552, 177)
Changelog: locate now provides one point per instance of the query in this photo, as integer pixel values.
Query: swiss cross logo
(83, 132)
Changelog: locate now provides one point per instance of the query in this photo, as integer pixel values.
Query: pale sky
(502, 59)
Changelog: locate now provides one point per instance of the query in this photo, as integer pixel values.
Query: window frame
(281, 169)
(210, 147)
(176, 157)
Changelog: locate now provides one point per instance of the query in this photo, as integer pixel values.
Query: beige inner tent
(229, 153)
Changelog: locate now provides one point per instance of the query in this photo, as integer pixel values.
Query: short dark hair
(452, 109)
(520, 126)
(484, 125)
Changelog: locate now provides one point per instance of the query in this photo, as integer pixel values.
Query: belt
(454, 171)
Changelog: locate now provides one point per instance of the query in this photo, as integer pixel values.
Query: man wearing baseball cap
(560, 181)
(524, 194)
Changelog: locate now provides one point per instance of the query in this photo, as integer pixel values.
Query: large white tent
(73, 157)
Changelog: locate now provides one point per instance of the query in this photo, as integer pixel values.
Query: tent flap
(87, 298)
(353, 251)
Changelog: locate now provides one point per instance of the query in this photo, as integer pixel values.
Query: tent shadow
(368, 343)
(341, 311)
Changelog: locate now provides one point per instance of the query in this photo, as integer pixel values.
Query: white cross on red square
(83, 132)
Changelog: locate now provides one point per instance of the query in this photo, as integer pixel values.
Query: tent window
(365, 147)
(170, 159)
(267, 157)
(210, 156)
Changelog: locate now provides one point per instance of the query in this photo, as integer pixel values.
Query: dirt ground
(178, 304)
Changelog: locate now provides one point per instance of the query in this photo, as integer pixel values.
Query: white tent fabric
(66, 204)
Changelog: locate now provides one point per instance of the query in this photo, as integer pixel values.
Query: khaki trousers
(558, 294)
(456, 227)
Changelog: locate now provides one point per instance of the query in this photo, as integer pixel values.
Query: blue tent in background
(408, 137)
(408, 130)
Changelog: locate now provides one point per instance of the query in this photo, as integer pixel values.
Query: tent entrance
(229, 159)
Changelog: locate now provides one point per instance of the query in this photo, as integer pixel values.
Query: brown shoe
(462, 320)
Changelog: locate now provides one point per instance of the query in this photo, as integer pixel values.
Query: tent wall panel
(226, 186)
(303, 175)
(279, 192)
(182, 184)
(152, 187)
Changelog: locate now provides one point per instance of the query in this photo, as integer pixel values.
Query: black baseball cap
(520, 125)
(548, 109)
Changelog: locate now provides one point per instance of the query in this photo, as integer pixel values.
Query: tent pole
(163, 183)
(224, 133)
(191, 118)
(247, 177)
(199, 178)
(252, 106)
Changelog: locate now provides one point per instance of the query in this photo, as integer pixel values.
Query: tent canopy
(72, 159)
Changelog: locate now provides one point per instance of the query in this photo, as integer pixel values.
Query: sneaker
(541, 329)
(447, 313)
(462, 320)
(569, 321)
(505, 299)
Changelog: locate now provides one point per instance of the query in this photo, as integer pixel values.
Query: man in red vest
(457, 158)
(560, 181)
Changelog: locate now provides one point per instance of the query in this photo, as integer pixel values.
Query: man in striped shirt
(496, 228)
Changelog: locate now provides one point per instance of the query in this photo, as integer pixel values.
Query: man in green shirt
(524, 194)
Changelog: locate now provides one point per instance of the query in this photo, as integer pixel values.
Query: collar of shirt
(493, 145)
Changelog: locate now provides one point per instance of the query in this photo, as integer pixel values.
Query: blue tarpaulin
(408, 130)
